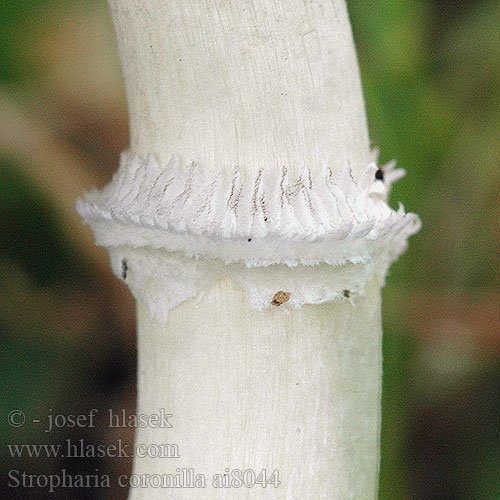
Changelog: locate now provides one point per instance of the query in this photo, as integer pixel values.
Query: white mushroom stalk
(250, 191)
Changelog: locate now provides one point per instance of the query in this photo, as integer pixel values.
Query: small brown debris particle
(347, 294)
(280, 298)
(124, 269)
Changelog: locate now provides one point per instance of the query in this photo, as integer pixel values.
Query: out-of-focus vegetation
(431, 72)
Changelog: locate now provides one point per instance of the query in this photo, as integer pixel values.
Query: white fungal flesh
(244, 94)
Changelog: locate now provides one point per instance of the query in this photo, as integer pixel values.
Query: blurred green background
(431, 73)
